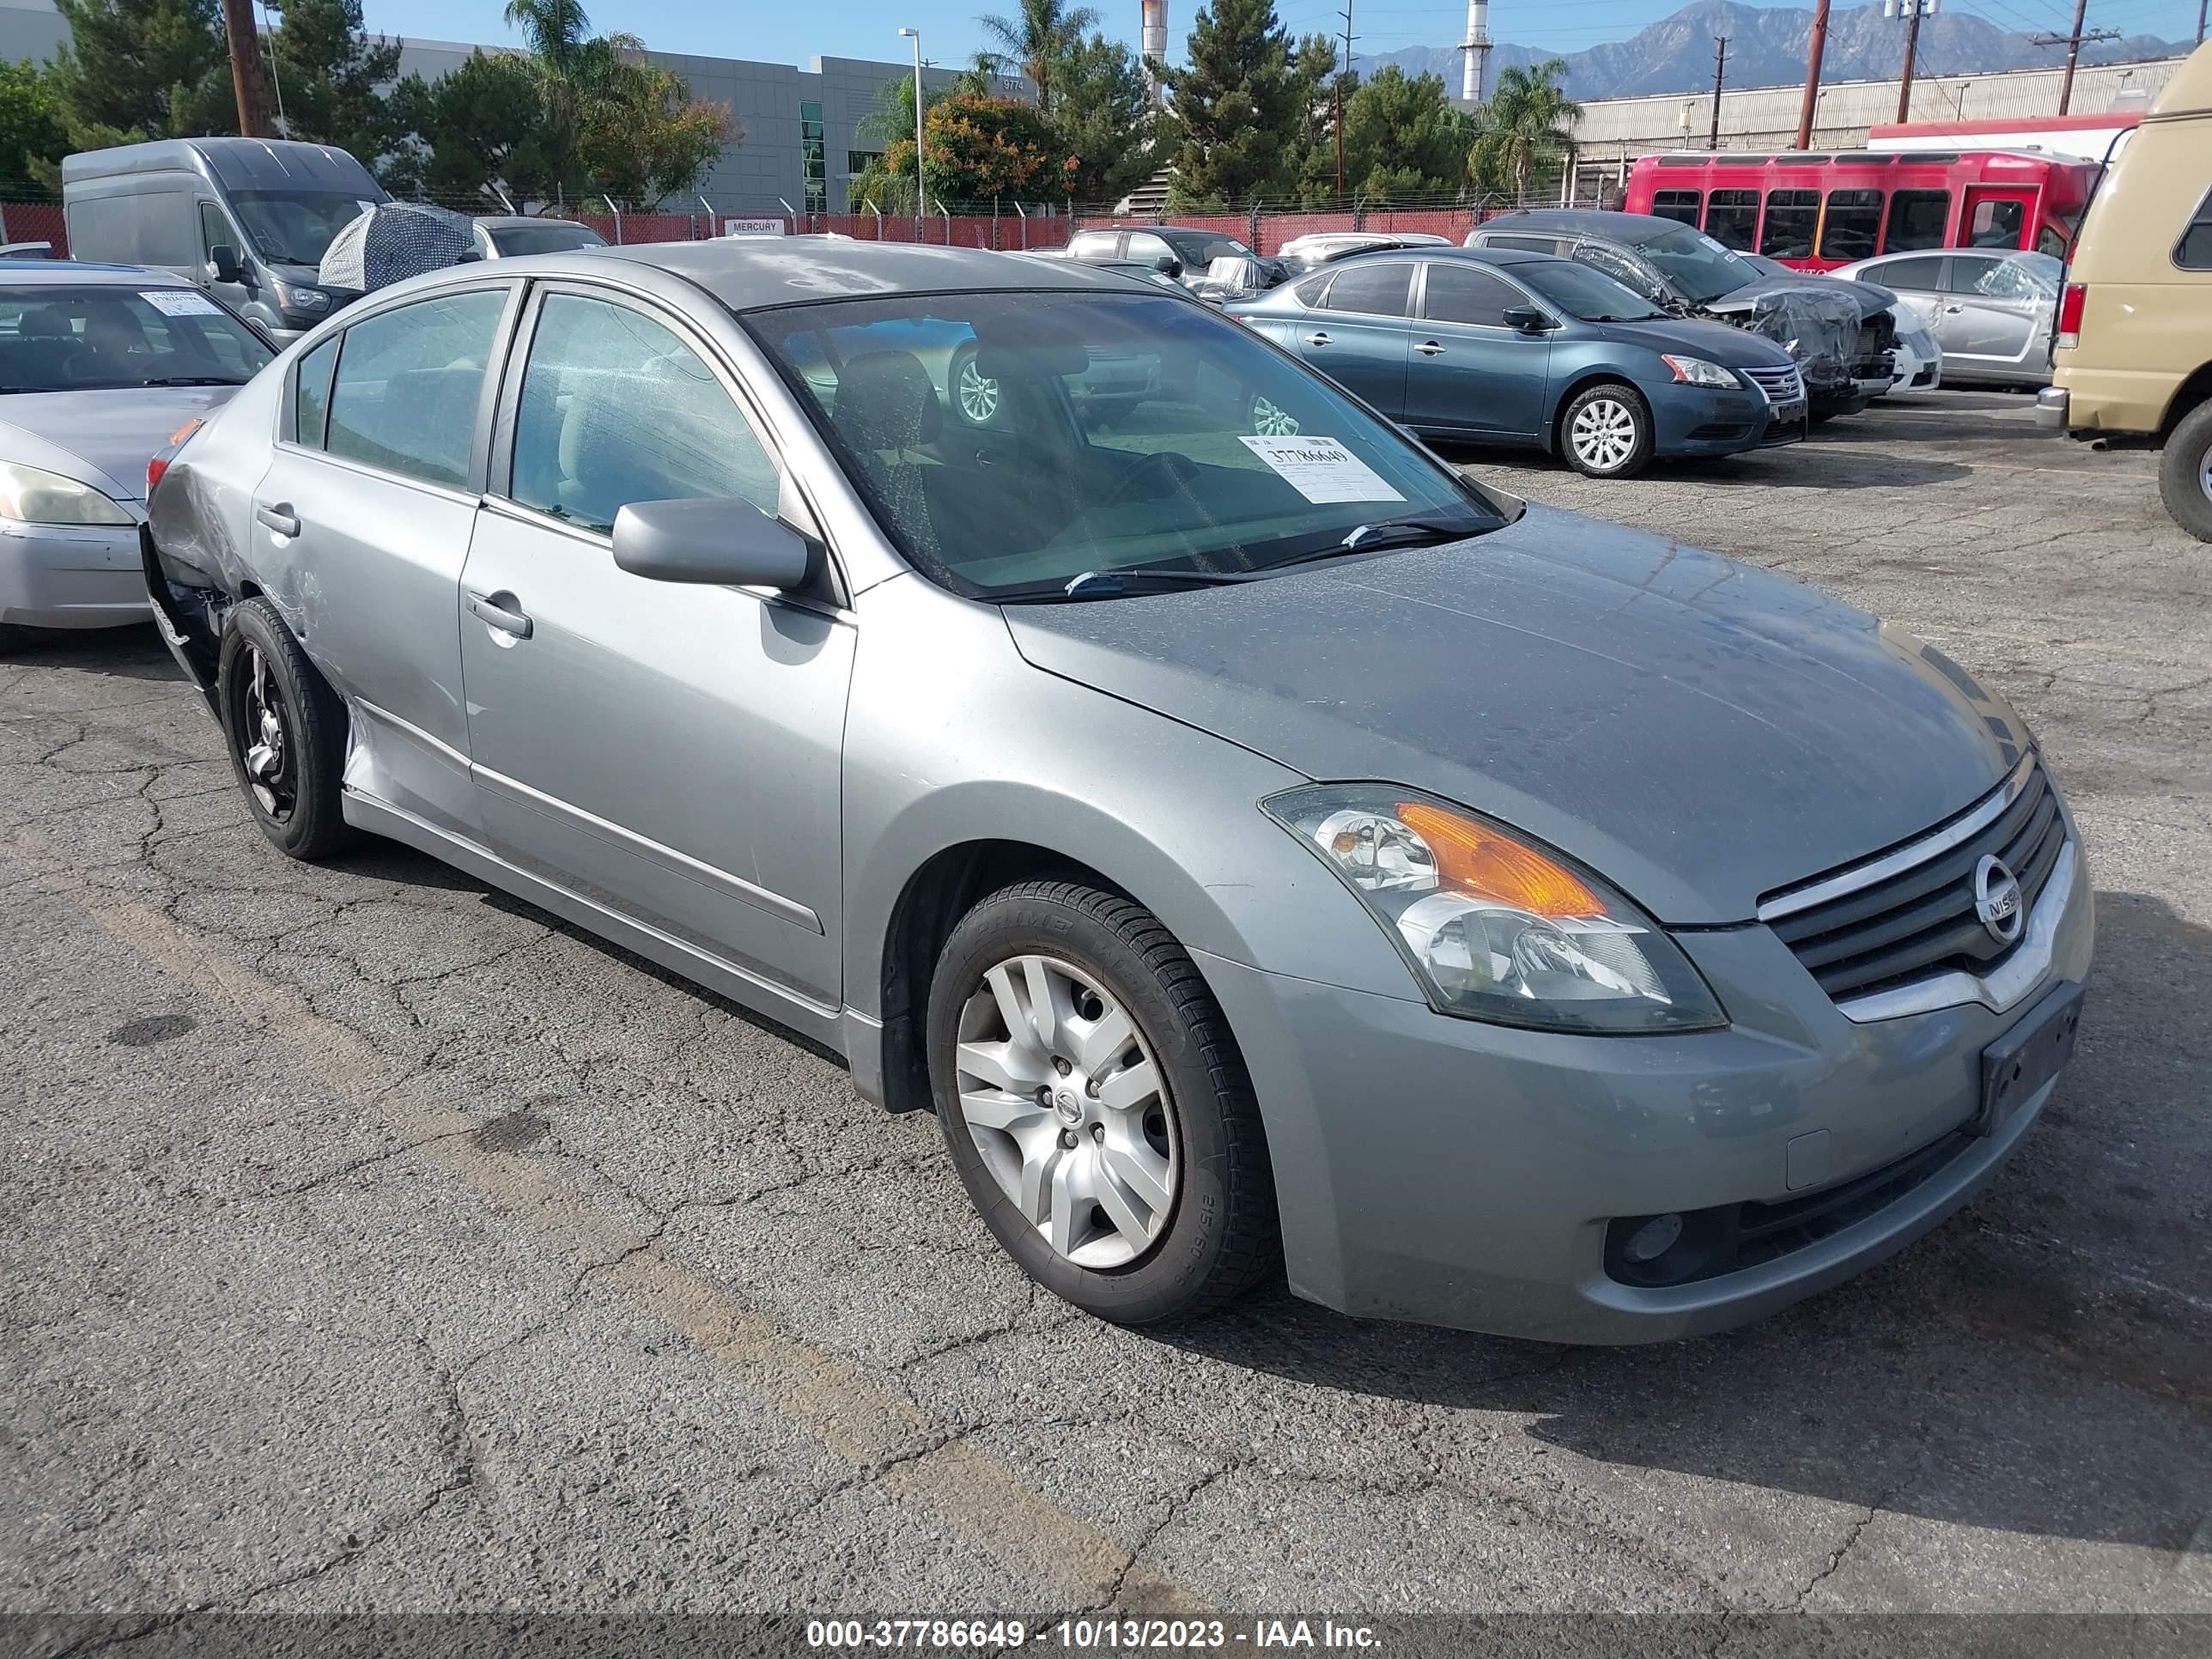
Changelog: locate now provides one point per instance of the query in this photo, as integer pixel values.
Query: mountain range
(1767, 47)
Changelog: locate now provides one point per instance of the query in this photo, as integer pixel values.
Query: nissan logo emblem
(1997, 900)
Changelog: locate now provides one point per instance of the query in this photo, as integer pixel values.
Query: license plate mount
(2029, 1056)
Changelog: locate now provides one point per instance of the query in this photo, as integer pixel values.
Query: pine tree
(1240, 107)
(329, 79)
(135, 70)
(1105, 116)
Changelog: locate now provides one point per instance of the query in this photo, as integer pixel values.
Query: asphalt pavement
(369, 1240)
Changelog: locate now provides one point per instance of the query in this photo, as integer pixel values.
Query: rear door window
(1917, 218)
(1095, 244)
(408, 382)
(1732, 219)
(1923, 275)
(1379, 290)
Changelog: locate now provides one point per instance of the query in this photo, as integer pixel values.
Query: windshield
(515, 240)
(1201, 247)
(1011, 443)
(1696, 267)
(1581, 292)
(83, 339)
(295, 226)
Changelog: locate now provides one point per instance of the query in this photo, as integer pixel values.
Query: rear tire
(1605, 431)
(287, 732)
(1095, 1106)
(2184, 473)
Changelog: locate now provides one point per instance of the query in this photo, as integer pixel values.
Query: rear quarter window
(2194, 251)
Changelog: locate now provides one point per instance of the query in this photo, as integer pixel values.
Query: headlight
(1495, 927)
(32, 496)
(311, 301)
(1696, 371)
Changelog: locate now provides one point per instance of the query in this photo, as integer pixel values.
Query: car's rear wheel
(287, 732)
(2184, 473)
(1606, 431)
(1095, 1106)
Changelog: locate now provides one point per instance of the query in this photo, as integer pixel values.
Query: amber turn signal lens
(1476, 859)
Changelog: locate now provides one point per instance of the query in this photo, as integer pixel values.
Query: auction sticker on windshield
(180, 302)
(1323, 470)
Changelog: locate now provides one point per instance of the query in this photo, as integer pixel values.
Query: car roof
(1630, 228)
(238, 163)
(1500, 257)
(25, 273)
(756, 273)
(515, 221)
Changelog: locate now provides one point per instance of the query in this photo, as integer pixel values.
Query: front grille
(1782, 385)
(1919, 922)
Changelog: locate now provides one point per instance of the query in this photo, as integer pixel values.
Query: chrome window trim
(2004, 986)
(1976, 818)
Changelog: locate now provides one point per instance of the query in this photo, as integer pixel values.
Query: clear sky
(788, 33)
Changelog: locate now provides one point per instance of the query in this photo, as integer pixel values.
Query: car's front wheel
(2184, 473)
(1606, 432)
(287, 732)
(1095, 1106)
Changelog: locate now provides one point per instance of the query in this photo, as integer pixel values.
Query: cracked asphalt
(372, 1241)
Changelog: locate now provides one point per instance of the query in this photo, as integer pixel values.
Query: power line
(2073, 43)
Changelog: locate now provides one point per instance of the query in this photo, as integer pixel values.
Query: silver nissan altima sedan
(1264, 849)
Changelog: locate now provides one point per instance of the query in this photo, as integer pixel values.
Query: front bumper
(1706, 420)
(1455, 1173)
(71, 575)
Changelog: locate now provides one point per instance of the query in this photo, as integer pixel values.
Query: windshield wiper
(1114, 584)
(192, 379)
(1396, 532)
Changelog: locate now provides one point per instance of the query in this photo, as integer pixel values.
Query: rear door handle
(1316, 339)
(279, 518)
(1428, 348)
(489, 609)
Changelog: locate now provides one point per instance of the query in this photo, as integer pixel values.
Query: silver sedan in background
(1990, 314)
(1262, 848)
(100, 367)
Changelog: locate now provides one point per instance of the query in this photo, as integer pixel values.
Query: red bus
(1817, 212)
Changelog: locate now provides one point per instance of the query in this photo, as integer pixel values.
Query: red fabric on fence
(645, 227)
(35, 221)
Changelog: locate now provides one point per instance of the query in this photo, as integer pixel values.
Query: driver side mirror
(1168, 265)
(727, 543)
(1526, 319)
(222, 264)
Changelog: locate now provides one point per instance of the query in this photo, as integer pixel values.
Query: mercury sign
(752, 226)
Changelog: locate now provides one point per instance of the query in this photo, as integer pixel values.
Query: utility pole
(245, 77)
(2073, 43)
(1720, 73)
(1912, 11)
(1813, 55)
(1343, 69)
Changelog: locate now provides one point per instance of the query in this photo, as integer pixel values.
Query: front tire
(287, 734)
(1095, 1106)
(1605, 432)
(2184, 473)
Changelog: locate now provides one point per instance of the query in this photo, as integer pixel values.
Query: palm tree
(1044, 32)
(1528, 119)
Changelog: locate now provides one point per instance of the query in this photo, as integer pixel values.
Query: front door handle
(1953, 311)
(499, 610)
(279, 518)
(1317, 338)
(1428, 348)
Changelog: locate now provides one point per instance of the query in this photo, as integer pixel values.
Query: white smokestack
(1475, 64)
(1153, 43)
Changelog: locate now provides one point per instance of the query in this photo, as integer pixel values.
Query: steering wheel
(1165, 469)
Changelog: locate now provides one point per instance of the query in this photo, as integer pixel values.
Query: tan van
(2134, 359)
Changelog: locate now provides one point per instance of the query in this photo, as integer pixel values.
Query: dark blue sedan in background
(1493, 345)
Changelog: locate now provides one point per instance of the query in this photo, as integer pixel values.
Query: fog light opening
(1653, 1239)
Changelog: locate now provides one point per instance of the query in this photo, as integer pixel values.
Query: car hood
(1698, 732)
(1716, 342)
(1870, 299)
(102, 438)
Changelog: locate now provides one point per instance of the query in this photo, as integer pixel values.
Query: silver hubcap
(1068, 1110)
(1270, 420)
(263, 726)
(2204, 473)
(979, 395)
(1603, 433)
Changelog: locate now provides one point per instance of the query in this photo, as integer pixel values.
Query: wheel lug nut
(1098, 1132)
(1045, 1094)
(1091, 1087)
(1067, 1138)
(1061, 1066)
